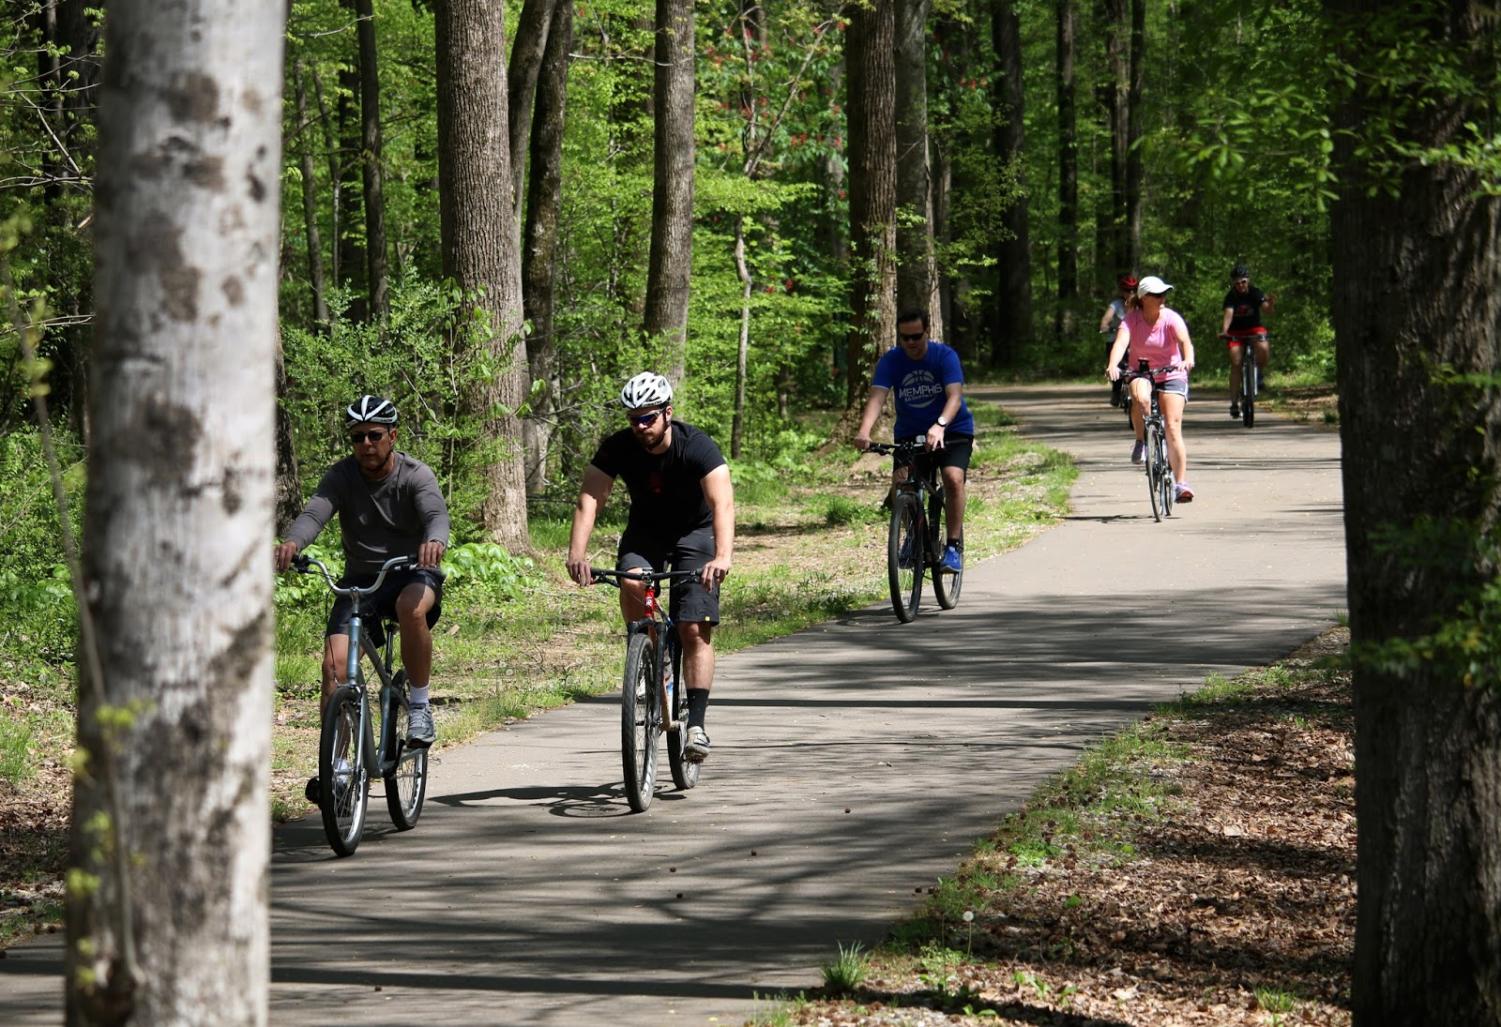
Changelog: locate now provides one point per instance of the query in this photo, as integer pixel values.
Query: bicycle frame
(658, 624)
(922, 481)
(379, 761)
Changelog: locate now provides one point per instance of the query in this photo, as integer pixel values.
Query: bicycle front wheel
(905, 556)
(343, 784)
(684, 771)
(1248, 392)
(639, 722)
(946, 584)
(1165, 480)
(1154, 492)
(406, 784)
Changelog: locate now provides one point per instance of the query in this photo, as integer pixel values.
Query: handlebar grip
(302, 562)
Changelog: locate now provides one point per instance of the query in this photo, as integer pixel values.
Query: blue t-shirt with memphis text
(918, 386)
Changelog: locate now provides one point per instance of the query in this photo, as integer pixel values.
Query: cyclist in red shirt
(1243, 306)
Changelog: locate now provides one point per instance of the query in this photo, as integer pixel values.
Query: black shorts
(383, 603)
(955, 453)
(689, 600)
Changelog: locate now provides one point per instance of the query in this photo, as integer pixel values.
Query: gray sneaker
(420, 731)
(696, 749)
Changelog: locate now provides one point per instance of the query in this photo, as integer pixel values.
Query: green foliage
(15, 750)
(491, 569)
(844, 974)
(38, 618)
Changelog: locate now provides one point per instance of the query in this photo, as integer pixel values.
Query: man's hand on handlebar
(862, 441)
(283, 554)
(430, 553)
(578, 570)
(715, 571)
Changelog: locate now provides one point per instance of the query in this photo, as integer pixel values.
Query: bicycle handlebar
(1140, 372)
(901, 445)
(610, 576)
(306, 564)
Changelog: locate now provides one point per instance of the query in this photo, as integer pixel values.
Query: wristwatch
(942, 423)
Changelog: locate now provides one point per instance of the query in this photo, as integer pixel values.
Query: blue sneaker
(904, 558)
(1138, 451)
(953, 560)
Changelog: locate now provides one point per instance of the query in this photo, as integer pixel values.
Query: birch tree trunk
(870, 64)
(481, 248)
(1420, 422)
(370, 165)
(540, 253)
(167, 921)
(670, 262)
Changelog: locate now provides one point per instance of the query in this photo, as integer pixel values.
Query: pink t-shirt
(1158, 344)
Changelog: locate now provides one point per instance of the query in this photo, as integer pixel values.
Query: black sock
(957, 543)
(698, 705)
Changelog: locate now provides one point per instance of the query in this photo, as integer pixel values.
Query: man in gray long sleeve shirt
(388, 504)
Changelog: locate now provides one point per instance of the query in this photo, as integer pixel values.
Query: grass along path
(517, 638)
(1195, 869)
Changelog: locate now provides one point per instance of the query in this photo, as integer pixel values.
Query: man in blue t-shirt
(928, 385)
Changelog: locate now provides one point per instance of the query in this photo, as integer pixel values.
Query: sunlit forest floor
(1197, 869)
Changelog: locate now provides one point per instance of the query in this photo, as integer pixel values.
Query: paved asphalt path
(853, 764)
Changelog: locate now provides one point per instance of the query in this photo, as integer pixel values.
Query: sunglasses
(914, 337)
(646, 420)
(356, 437)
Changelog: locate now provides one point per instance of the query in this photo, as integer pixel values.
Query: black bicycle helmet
(370, 410)
(1239, 271)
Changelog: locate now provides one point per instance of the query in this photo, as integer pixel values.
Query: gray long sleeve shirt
(378, 519)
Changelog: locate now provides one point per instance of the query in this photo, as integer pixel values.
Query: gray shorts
(1176, 386)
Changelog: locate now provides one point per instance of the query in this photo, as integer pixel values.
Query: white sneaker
(420, 730)
(696, 748)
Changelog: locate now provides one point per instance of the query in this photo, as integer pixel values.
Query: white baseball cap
(1151, 285)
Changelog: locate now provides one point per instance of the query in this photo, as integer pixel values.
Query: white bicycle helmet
(647, 389)
(370, 410)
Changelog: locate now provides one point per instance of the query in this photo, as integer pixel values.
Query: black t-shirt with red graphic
(667, 492)
(1245, 308)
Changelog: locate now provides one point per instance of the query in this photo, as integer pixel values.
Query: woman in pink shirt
(1158, 335)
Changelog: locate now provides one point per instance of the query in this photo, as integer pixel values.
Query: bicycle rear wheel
(343, 784)
(406, 785)
(904, 556)
(639, 722)
(684, 771)
(946, 584)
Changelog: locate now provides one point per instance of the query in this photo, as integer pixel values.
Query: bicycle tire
(905, 582)
(406, 785)
(684, 771)
(1248, 391)
(343, 807)
(1165, 480)
(946, 584)
(1153, 471)
(639, 724)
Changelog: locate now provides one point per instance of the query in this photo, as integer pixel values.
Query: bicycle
(652, 683)
(1160, 483)
(915, 538)
(1250, 377)
(347, 754)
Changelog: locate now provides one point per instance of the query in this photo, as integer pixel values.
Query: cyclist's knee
(694, 635)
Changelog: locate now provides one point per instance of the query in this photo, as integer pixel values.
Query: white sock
(419, 696)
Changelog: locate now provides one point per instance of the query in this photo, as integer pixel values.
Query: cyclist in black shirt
(1242, 327)
(682, 516)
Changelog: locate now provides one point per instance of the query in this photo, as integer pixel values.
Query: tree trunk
(742, 351)
(167, 921)
(670, 263)
(309, 204)
(1116, 95)
(370, 165)
(480, 246)
(539, 261)
(335, 179)
(914, 233)
(1422, 455)
(869, 59)
(288, 476)
(527, 51)
(1013, 306)
(1134, 122)
(1068, 180)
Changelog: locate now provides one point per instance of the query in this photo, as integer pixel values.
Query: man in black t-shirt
(682, 516)
(1242, 327)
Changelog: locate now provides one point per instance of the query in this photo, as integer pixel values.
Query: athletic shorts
(1241, 338)
(689, 601)
(383, 603)
(955, 453)
(1175, 386)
